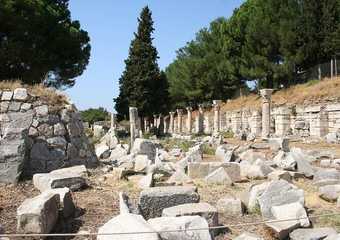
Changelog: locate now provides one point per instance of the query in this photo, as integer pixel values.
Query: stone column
(189, 119)
(172, 122)
(133, 116)
(113, 121)
(160, 124)
(146, 124)
(179, 120)
(217, 107)
(256, 123)
(199, 119)
(166, 124)
(155, 121)
(266, 95)
(282, 121)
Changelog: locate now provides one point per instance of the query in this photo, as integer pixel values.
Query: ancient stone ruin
(37, 137)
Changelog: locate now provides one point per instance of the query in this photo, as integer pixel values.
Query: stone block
(164, 197)
(38, 214)
(20, 94)
(67, 205)
(330, 192)
(144, 147)
(230, 206)
(219, 176)
(311, 234)
(6, 96)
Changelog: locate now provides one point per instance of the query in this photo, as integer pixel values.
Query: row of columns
(167, 124)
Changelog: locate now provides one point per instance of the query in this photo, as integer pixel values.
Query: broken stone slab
(146, 181)
(326, 182)
(126, 223)
(279, 144)
(219, 176)
(248, 236)
(164, 224)
(281, 230)
(38, 214)
(254, 192)
(141, 163)
(291, 211)
(72, 178)
(333, 237)
(230, 206)
(255, 171)
(102, 151)
(224, 153)
(303, 162)
(311, 234)
(202, 209)
(67, 206)
(279, 192)
(285, 160)
(179, 177)
(326, 173)
(119, 151)
(144, 147)
(280, 174)
(164, 197)
(203, 169)
(330, 192)
(251, 156)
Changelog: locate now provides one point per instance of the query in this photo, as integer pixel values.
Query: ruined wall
(37, 136)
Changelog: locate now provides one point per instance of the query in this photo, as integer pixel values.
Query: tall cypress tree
(139, 81)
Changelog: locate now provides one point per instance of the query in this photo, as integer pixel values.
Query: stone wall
(37, 137)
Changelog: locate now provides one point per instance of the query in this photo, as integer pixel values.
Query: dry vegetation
(312, 92)
(47, 95)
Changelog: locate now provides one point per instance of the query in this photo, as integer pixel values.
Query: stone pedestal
(179, 120)
(172, 122)
(217, 107)
(266, 95)
(133, 116)
(189, 119)
(199, 120)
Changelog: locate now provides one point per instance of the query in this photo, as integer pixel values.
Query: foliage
(40, 43)
(92, 115)
(208, 149)
(142, 85)
(273, 43)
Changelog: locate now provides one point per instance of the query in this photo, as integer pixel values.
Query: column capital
(266, 94)
(172, 113)
(179, 111)
(189, 109)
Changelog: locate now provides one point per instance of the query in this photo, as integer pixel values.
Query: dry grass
(313, 92)
(47, 95)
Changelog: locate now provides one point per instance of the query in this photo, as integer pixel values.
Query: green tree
(92, 115)
(141, 79)
(40, 43)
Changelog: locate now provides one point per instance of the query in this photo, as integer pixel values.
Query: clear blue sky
(111, 24)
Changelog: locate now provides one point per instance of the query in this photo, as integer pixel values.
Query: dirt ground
(99, 203)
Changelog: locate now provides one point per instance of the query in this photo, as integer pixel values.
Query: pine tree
(139, 81)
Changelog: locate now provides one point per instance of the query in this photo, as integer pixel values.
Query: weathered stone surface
(202, 209)
(201, 170)
(6, 96)
(230, 206)
(251, 156)
(219, 176)
(141, 163)
(311, 234)
(14, 106)
(57, 142)
(248, 236)
(124, 223)
(224, 153)
(102, 151)
(333, 237)
(330, 192)
(146, 181)
(164, 197)
(20, 94)
(72, 178)
(144, 147)
(285, 161)
(254, 192)
(38, 214)
(59, 129)
(67, 205)
(303, 164)
(280, 174)
(164, 224)
(255, 171)
(281, 230)
(179, 177)
(119, 151)
(41, 110)
(291, 211)
(322, 174)
(278, 193)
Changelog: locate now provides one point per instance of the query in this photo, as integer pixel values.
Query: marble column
(133, 116)
(189, 119)
(199, 120)
(172, 122)
(217, 107)
(266, 95)
(166, 124)
(179, 120)
(146, 125)
(113, 121)
(155, 121)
